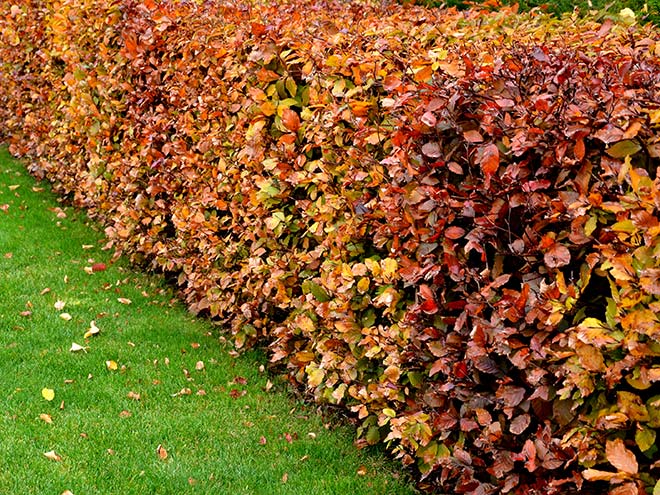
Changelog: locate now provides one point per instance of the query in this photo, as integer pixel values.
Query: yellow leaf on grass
(48, 394)
(111, 365)
(93, 330)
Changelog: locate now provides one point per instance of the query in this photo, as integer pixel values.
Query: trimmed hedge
(444, 222)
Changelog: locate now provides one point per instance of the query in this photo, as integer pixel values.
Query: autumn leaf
(557, 256)
(290, 120)
(53, 456)
(488, 157)
(48, 394)
(133, 396)
(46, 418)
(123, 300)
(620, 457)
(66, 316)
(77, 348)
(111, 365)
(92, 331)
(161, 452)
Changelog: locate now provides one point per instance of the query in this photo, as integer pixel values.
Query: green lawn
(178, 415)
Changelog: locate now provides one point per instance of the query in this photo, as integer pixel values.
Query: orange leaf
(290, 120)
(162, 453)
(620, 457)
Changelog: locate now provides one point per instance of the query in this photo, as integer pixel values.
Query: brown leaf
(519, 424)
(133, 395)
(162, 453)
(590, 357)
(557, 256)
(473, 136)
(620, 457)
(432, 150)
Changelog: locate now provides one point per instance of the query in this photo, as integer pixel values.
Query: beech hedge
(444, 222)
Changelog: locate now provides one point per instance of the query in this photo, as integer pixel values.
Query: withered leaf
(620, 457)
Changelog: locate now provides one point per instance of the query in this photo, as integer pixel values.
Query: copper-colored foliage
(445, 221)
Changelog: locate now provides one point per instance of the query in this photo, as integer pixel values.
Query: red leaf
(454, 232)
(488, 157)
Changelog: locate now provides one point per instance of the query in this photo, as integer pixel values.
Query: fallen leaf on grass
(67, 492)
(46, 418)
(124, 300)
(9, 255)
(285, 477)
(13, 187)
(125, 414)
(59, 305)
(98, 267)
(183, 391)
(48, 394)
(111, 365)
(92, 330)
(26, 313)
(77, 348)
(362, 471)
(133, 395)
(262, 440)
(199, 366)
(53, 456)
(66, 316)
(162, 453)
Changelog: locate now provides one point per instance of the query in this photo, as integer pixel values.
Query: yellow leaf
(48, 394)
(93, 330)
(389, 267)
(65, 316)
(111, 365)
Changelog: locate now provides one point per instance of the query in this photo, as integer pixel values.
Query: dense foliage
(445, 222)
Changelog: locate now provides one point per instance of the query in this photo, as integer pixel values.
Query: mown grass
(220, 427)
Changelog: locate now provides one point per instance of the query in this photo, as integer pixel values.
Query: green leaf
(645, 438)
(310, 287)
(373, 435)
(623, 149)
